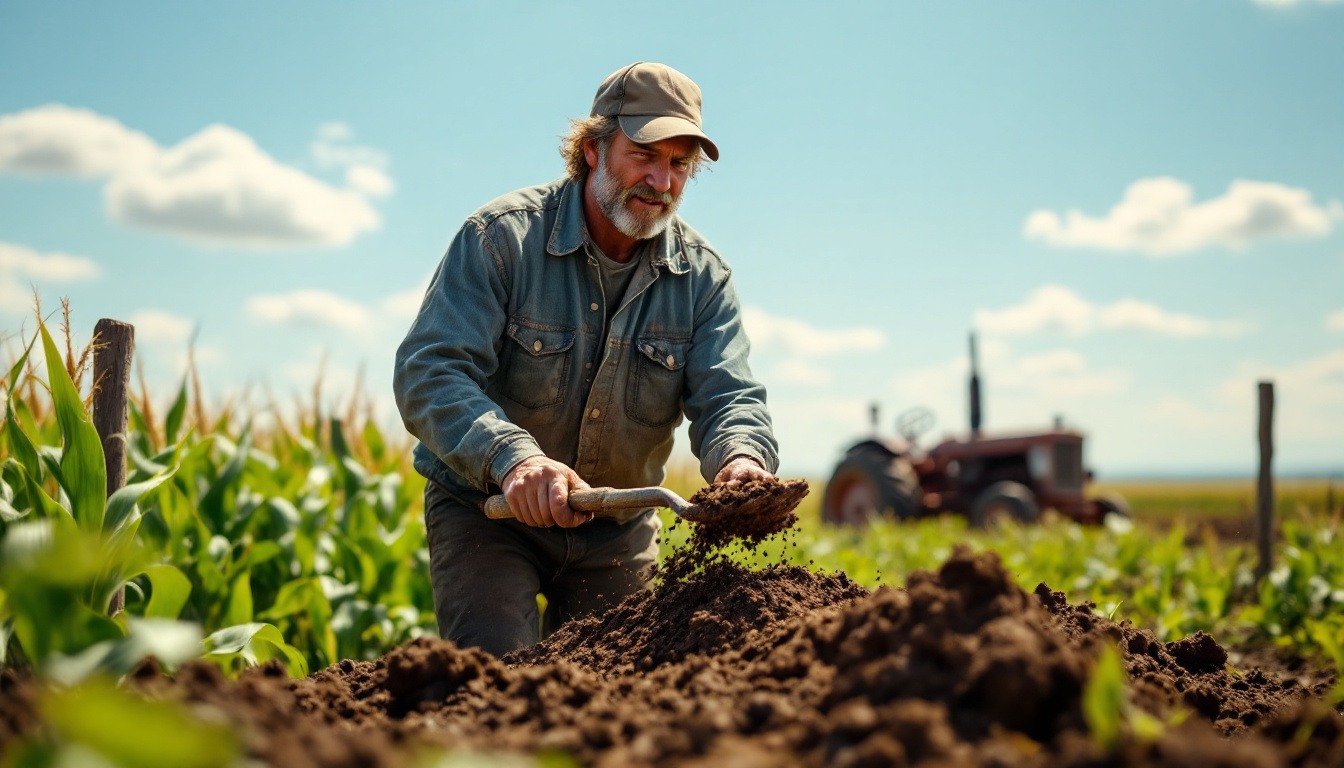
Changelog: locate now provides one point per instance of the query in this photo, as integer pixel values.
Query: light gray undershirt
(616, 278)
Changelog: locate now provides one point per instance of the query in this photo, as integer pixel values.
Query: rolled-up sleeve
(447, 357)
(725, 405)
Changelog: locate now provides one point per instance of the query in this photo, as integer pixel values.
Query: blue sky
(893, 174)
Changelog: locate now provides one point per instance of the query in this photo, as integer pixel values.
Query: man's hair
(600, 129)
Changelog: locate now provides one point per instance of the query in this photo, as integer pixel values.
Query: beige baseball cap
(653, 102)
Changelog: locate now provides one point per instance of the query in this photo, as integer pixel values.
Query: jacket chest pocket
(538, 372)
(656, 380)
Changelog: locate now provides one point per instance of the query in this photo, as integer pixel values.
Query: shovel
(607, 502)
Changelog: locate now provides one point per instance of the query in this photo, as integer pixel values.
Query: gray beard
(614, 201)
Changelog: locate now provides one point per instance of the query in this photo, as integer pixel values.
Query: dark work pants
(487, 573)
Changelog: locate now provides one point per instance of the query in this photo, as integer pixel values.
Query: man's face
(638, 186)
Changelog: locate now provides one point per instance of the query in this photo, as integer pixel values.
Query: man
(565, 333)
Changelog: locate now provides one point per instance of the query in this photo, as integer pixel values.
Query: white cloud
(1335, 321)
(1022, 391)
(334, 131)
(1159, 217)
(315, 308)
(768, 331)
(1290, 3)
(790, 347)
(1132, 314)
(405, 305)
(1050, 307)
(334, 147)
(160, 326)
(798, 371)
(56, 139)
(21, 268)
(1309, 398)
(1193, 417)
(1057, 308)
(216, 187)
(369, 180)
(310, 308)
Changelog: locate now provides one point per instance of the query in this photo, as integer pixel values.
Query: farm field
(282, 572)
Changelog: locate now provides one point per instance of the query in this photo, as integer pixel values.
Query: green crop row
(1152, 575)
(299, 544)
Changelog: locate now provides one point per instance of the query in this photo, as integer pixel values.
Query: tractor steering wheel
(914, 422)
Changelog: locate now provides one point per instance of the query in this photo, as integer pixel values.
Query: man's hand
(538, 488)
(740, 470)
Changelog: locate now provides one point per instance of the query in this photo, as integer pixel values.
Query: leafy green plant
(98, 724)
(69, 548)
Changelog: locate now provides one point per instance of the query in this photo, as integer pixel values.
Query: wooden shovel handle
(600, 501)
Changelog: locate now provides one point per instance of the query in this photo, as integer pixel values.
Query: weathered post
(114, 344)
(1264, 496)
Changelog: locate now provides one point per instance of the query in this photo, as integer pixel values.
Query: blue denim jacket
(503, 359)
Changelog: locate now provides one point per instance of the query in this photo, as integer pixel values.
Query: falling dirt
(778, 667)
(743, 515)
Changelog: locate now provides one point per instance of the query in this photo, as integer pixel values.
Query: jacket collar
(569, 233)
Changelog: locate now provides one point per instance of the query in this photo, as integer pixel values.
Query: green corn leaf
(127, 729)
(121, 507)
(239, 610)
(41, 503)
(1104, 699)
(211, 505)
(373, 440)
(171, 642)
(170, 591)
(83, 468)
(248, 645)
(173, 422)
(15, 371)
(20, 445)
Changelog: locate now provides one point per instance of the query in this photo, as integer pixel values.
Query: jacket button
(587, 365)
(671, 361)
(593, 306)
(536, 345)
(596, 413)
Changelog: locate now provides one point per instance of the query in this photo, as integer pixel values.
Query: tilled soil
(778, 667)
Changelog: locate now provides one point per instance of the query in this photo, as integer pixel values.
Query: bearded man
(565, 333)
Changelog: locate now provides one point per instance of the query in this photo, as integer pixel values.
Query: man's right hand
(538, 488)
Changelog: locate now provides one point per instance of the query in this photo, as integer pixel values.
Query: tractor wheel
(1111, 504)
(869, 484)
(1002, 501)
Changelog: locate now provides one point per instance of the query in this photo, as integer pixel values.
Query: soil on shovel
(744, 514)
(778, 667)
(770, 504)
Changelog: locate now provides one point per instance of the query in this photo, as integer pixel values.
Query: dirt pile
(780, 667)
(961, 667)
(714, 612)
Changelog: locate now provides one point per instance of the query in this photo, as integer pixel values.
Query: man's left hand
(740, 470)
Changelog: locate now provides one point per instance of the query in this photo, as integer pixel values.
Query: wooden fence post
(114, 344)
(1264, 496)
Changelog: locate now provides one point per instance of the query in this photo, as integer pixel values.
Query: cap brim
(646, 129)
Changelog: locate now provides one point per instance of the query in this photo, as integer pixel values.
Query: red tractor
(985, 478)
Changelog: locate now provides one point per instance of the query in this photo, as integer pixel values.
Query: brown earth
(778, 667)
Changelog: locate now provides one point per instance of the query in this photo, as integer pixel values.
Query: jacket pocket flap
(540, 341)
(668, 354)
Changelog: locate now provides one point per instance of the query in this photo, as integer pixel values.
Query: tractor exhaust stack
(975, 391)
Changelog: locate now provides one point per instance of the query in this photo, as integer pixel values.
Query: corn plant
(68, 547)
